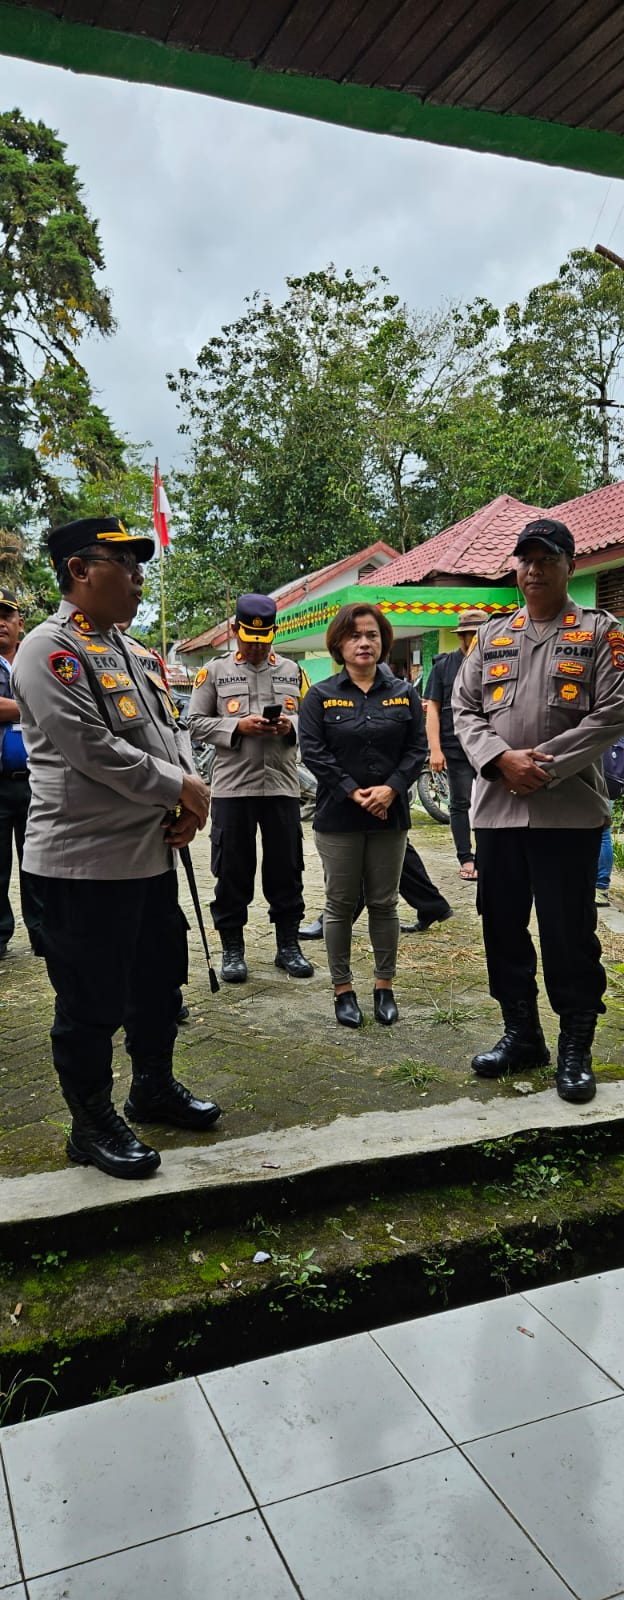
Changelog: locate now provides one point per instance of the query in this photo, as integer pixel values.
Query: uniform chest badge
(569, 691)
(289, 703)
(519, 622)
(65, 667)
(498, 692)
(504, 639)
(127, 706)
(500, 670)
(578, 635)
(572, 669)
(201, 677)
(82, 623)
(272, 659)
(232, 707)
(108, 681)
(96, 649)
(123, 680)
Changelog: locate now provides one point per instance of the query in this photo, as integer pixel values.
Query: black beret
(74, 536)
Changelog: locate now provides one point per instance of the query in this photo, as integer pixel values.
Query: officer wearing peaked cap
(537, 701)
(254, 784)
(112, 795)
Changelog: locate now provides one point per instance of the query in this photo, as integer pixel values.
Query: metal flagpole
(163, 624)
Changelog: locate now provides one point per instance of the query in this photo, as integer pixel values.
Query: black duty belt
(14, 777)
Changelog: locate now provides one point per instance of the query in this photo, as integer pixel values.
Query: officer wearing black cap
(254, 784)
(536, 702)
(14, 785)
(112, 795)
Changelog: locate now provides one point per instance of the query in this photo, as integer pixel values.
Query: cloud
(200, 202)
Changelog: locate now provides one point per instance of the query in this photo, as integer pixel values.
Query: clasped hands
(260, 725)
(523, 771)
(377, 799)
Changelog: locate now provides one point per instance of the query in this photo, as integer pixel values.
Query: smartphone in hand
(271, 713)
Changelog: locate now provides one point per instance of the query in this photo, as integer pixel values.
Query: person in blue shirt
(14, 785)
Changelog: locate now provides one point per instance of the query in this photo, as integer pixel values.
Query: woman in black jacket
(362, 734)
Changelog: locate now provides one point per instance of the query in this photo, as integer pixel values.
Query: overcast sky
(200, 202)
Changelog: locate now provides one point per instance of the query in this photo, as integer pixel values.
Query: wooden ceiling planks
(553, 60)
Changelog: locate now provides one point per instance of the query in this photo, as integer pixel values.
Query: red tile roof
(481, 545)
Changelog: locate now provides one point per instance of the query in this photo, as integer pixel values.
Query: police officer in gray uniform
(536, 702)
(112, 794)
(254, 784)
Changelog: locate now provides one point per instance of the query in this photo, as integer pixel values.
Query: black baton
(185, 857)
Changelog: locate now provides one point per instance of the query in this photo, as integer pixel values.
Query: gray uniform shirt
(558, 689)
(249, 764)
(106, 759)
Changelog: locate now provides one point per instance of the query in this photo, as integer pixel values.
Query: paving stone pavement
(270, 1050)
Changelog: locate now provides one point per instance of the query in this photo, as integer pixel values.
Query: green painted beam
(38, 36)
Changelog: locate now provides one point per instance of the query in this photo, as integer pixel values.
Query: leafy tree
(50, 253)
(565, 354)
(307, 422)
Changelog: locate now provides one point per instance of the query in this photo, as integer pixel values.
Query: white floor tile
(591, 1312)
(314, 1416)
(107, 1476)
(562, 1478)
(231, 1560)
(479, 1374)
(9, 1566)
(427, 1530)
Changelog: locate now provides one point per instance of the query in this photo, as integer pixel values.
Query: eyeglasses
(124, 559)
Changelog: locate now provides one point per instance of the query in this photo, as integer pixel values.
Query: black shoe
(289, 957)
(234, 968)
(183, 1014)
(162, 1099)
(386, 1009)
(347, 1009)
(420, 926)
(522, 1044)
(314, 930)
(575, 1079)
(100, 1138)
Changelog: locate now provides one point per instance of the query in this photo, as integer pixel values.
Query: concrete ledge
(380, 1139)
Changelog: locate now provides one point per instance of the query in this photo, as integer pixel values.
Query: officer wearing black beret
(254, 784)
(112, 794)
(535, 704)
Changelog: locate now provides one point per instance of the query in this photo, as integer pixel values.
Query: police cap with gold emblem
(73, 537)
(7, 599)
(255, 618)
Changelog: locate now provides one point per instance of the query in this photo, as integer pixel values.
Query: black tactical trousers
(116, 955)
(233, 835)
(14, 803)
(460, 777)
(555, 870)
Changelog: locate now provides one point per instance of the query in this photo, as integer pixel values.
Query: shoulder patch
(65, 666)
(82, 623)
(570, 619)
(519, 621)
(200, 677)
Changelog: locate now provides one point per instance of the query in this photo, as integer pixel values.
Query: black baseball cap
(8, 599)
(554, 535)
(255, 618)
(74, 536)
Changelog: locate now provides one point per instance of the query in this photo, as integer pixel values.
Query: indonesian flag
(162, 509)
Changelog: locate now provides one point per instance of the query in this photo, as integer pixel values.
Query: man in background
(444, 746)
(14, 784)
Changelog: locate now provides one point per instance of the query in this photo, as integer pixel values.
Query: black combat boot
(156, 1096)
(100, 1138)
(575, 1079)
(289, 956)
(522, 1045)
(234, 968)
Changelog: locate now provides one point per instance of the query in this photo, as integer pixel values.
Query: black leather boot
(156, 1096)
(289, 956)
(100, 1138)
(522, 1044)
(575, 1079)
(312, 930)
(234, 968)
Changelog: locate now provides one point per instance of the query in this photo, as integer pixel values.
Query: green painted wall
(408, 609)
(40, 36)
(583, 588)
